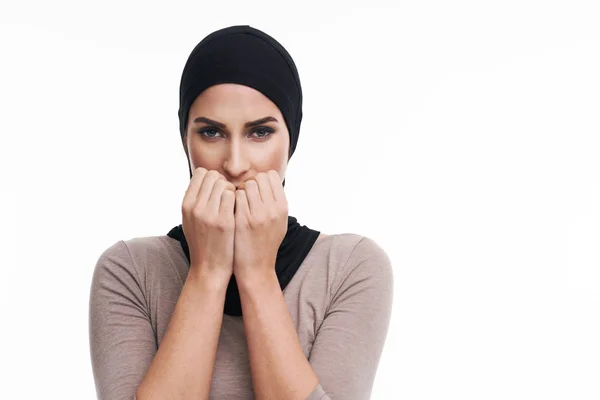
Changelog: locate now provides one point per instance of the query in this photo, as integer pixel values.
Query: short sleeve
(318, 394)
(122, 341)
(348, 345)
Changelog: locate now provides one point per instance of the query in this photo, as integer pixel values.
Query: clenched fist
(209, 223)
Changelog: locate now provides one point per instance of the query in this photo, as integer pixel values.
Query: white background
(462, 136)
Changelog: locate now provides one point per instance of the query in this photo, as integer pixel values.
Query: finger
(276, 186)
(227, 203)
(206, 188)
(241, 204)
(252, 195)
(280, 203)
(191, 193)
(266, 192)
(216, 196)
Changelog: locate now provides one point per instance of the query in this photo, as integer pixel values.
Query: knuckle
(200, 170)
(211, 221)
(226, 184)
(219, 185)
(212, 173)
(226, 187)
(223, 225)
(198, 212)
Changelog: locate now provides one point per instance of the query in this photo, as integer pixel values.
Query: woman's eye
(211, 133)
(208, 133)
(262, 133)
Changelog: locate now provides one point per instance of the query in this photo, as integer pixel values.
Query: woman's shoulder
(141, 246)
(142, 254)
(352, 243)
(358, 268)
(356, 254)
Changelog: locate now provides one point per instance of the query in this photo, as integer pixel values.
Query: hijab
(247, 56)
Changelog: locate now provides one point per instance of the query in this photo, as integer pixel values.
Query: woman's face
(237, 131)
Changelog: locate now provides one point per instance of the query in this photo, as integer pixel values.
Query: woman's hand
(261, 217)
(209, 224)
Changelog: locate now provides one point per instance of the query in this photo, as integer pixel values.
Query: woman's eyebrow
(249, 124)
(210, 122)
(259, 121)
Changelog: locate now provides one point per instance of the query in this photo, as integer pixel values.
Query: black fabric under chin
(293, 250)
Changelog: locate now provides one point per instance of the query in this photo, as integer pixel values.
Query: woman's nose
(235, 163)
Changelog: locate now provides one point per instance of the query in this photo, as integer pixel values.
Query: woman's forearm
(183, 365)
(279, 368)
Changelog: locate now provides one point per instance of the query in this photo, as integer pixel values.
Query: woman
(239, 301)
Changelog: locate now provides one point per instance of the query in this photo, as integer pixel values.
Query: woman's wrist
(255, 280)
(209, 278)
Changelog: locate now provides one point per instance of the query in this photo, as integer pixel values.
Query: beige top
(339, 299)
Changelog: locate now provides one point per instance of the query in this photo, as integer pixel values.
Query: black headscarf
(248, 56)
